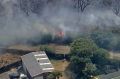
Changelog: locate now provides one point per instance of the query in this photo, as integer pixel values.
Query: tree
(46, 39)
(67, 40)
(78, 64)
(81, 4)
(35, 6)
(81, 52)
(107, 3)
(54, 75)
(82, 67)
(116, 7)
(83, 47)
(58, 74)
(51, 76)
(101, 57)
(117, 46)
(102, 39)
(46, 48)
(25, 6)
(90, 69)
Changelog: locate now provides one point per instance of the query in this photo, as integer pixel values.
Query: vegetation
(81, 52)
(54, 75)
(87, 59)
(107, 40)
(80, 5)
(83, 47)
(46, 39)
(87, 53)
(46, 48)
(101, 55)
(51, 52)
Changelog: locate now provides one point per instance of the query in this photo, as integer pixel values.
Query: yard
(61, 65)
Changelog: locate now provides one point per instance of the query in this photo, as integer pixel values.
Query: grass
(59, 49)
(61, 65)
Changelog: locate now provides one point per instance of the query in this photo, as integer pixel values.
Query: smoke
(24, 21)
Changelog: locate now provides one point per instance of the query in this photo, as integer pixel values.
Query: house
(114, 75)
(36, 65)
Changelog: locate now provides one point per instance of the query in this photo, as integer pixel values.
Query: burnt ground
(8, 59)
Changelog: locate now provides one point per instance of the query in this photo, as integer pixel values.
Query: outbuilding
(36, 65)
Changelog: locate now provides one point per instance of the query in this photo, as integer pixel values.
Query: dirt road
(114, 55)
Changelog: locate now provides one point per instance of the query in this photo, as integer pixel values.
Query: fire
(60, 34)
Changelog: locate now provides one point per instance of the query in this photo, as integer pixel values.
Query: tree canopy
(83, 47)
(101, 57)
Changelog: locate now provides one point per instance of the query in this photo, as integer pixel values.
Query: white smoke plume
(16, 25)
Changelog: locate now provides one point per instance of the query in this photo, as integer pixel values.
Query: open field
(58, 49)
(60, 65)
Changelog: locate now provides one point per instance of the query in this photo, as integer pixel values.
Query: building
(36, 65)
(114, 75)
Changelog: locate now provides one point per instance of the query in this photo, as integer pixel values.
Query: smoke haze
(20, 21)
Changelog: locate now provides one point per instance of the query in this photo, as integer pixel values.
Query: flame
(60, 34)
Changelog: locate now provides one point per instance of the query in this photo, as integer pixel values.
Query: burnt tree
(116, 7)
(107, 3)
(80, 5)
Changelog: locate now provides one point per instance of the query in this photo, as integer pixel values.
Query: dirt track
(114, 55)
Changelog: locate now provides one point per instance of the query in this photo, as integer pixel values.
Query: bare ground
(114, 55)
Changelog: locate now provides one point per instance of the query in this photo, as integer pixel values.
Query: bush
(46, 39)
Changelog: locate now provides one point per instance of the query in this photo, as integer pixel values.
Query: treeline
(49, 38)
(107, 39)
(37, 6)
(87, 60)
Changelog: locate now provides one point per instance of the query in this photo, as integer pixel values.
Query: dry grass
(115, 55)
(7, 59)
(24, 47)
(61, 66)
(59, 49)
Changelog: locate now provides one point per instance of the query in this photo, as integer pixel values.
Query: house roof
(37, 63)
(114, 75)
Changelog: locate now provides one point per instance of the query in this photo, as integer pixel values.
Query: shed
(36, 64)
